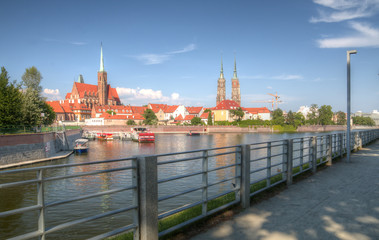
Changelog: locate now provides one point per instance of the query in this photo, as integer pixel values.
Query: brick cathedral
(221, 89)
(90, 95)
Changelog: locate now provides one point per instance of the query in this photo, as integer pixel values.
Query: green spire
(101, 58)
(235, 68)
(222, 70)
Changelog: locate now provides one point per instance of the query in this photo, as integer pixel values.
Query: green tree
(290, 118)
(313, 115)
(130, 122)
(363, 121)
(111, 112)
(299, 119)
(341, 118)
(33, 103)
(210, 120)
(277, 117)
(10, 101)
(150, 117)
(32, 79)
(325, 115)
(49, 114)
(196, 121)
(237, 113)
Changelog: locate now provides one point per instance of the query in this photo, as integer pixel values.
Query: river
(22, 196)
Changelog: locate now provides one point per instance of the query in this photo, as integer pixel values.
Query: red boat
(105, 136)
(142, 135)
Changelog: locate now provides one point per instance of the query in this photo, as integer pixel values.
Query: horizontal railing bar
(224, 180)
(277, 164)
(276, 155)
(264, 147)
(180, 193)
(258, 159)
(179, 160)
(223, 167)
(177, 210)
(194, 151)
(258, 169)
(220, 194)
(27, 235)
(258, 180)
(15, 184)
(20, 210)
(88, 173)
(224, 153)
(87, 219)
(98, 194)
(65, 165)
(114, 232)
(275, 141)
(176, 227)
(222, 207)
(179, 177)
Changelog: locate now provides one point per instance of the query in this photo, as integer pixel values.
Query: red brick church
(90, 95)
(79, 102)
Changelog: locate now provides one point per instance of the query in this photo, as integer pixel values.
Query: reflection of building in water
(219, 161)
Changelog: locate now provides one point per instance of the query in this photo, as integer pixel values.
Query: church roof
(227, 105)
(85, 88)
(57, 108)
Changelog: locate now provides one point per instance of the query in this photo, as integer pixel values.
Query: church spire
(101, 59)
(235, 68)
(222, 70)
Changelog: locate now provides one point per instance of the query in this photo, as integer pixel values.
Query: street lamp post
(348, 105)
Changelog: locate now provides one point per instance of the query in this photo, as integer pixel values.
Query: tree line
(22, 103)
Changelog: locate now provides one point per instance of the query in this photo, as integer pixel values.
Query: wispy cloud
(278, 77)
(152, 58)
(77, 43)
(51, 94)
(341, 10)
(365, 36)
(136, 96)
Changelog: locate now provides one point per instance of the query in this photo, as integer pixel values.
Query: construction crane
(275, 99)
(267, 101)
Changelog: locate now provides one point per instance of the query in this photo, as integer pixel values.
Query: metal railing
(215, 178)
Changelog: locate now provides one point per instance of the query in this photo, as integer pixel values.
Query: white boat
(81, 145)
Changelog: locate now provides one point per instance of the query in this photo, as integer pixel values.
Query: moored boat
(81, 145)
(193, 133)
(142, 135)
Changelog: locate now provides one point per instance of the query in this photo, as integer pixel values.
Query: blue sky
(169, 51)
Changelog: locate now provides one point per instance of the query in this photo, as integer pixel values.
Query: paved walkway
(340, 202)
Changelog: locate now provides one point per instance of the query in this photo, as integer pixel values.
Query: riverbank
(22, 149)
(218, 129)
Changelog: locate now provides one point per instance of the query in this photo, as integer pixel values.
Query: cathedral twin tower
(221, 91)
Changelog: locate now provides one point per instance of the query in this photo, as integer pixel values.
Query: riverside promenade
(340, 202)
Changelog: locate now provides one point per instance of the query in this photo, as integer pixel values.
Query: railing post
(289, 160)
(205, 183)
(329, 151)
(340, 140)
(314, 154)
(245, 176)
(148, 197)
(135, 197)
(268, 171)
(41, 202)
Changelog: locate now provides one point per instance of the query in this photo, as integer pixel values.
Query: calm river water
(17, 197)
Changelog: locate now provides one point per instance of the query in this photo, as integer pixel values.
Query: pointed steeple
(101, 59)
(235, 68)
(222, 70)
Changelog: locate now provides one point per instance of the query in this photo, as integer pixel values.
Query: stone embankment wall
(25, 147)
(178, 129)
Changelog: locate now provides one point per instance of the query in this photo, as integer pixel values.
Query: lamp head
(352, 52)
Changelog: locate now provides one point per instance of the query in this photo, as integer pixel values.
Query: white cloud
(187, 48)
(366, 36)
(341, 10)
(144, 96)
(287, 77)
(269, 87)
(152, 58)
(64, 41)
(149, 59)
(51, 94)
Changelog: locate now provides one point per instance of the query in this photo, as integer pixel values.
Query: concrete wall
(26, 147)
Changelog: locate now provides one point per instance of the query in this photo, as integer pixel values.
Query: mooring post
(245, 176)
(148, 197)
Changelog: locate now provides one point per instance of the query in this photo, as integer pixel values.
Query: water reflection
(23, 196)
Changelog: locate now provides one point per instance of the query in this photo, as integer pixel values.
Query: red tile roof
(189, 117)
(170, 109)
(257, 110)
(179, 118)
(137, 109)
(227, 105)
(205, 115)
(86, 88)
(157, 107)
(57, 108)
(194, 110)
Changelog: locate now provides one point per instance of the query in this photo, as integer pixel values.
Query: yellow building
(222, 110)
